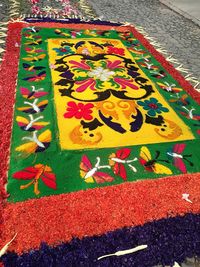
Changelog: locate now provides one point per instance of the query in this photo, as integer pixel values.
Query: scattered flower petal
(185, 196)
(124, 252)
(4, 249)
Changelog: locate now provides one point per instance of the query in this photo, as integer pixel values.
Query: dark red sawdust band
(59, 218)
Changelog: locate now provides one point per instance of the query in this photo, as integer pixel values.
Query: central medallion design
(104, 99)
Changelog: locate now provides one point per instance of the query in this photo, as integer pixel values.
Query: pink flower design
(64, 1)
(81, 65)
(79, 110)
(35, 9)
(34, 1)
(114, 64)
(115, 50)
(88, 83)
(126, 82)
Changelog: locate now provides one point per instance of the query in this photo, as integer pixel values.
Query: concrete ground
(190, 9)
(179, 35)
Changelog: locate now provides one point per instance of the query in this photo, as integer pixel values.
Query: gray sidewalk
(178, 35)
(188, 8)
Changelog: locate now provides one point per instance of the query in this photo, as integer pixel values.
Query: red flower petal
(72, 104)
(80, 106)
(87, 116)
(79, 110)
(78, 115)
(69, 114)
(89, 105)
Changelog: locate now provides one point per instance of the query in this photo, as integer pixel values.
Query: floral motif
(92, 50)
(65, 9)
(153, 106)
(125, 82)
(83, 85)
(101, 74)
(95, 76)
(115, 50)
(35, 9)
(34, 1)
(79, 110)
(63, 50)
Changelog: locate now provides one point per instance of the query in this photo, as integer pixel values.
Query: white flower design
(101, 74)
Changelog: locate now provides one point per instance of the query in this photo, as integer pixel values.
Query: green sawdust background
(65, 164)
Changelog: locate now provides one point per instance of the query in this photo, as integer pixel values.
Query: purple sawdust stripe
(168, 240)
(68, 21)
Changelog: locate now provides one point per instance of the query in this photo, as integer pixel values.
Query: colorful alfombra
(102, 137)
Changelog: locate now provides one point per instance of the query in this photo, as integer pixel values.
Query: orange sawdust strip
(92, 212)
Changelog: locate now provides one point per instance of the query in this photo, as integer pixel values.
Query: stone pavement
(188, 8)
(179, 35)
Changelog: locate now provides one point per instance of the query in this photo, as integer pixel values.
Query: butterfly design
(36, 173)
(32, 58)
(171, 88)
(75, 34)
(33, 50)
(158, 74)
(33, 108)
(92, 174)
(148, 65)
(33, 41)
(31, 124)
(32, 29)
(29, 67)
(137, 51)
(30, 35)
(180, 100)
(189, 113)
(152, 165)
(118, 161)
(103, 33)
(133, 45)
(32, 94)
(126, 36)
(142, 57)
(59, 32)
(35, 143)
(36, 78)
(178, 158)
(90, 33)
